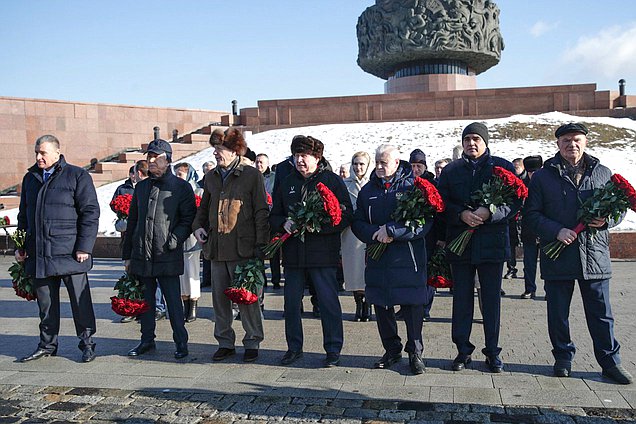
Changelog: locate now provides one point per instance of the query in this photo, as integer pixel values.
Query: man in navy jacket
(60, 213)
(555, 196)
(488, 249)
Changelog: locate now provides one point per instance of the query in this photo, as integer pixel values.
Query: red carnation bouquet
(22, 283)
(439, 273)
(321, 207)
(247, 283)
(121, 206)
(503, 189)
(611, 200)
(414, 207)
(129, 301)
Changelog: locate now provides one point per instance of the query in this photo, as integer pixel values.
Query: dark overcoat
(399, 276)
(159, 222)
(552, 204)
(490, 243)
(318, 249)
(60, 217)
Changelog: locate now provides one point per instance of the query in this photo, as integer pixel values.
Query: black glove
(258, 252)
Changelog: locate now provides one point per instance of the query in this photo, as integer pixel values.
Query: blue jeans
(160, 304)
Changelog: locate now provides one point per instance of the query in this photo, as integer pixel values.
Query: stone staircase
(117, 168)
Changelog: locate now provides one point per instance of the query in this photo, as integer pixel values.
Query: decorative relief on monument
(395, 32)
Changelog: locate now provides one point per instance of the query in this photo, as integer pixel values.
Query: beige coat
(235, 214)
(353, 250)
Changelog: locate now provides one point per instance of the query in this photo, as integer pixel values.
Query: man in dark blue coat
(556, 194)
(398, 277)
(161, 215)
(60, 213)
(316, 255)
(487, 250)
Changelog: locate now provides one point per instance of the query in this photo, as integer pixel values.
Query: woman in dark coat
(398, 277)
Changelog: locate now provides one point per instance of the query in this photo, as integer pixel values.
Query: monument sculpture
(419, 38)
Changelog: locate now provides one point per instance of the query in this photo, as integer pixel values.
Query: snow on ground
(435, 138)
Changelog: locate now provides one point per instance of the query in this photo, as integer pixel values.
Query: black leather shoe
(88, 354)
(223, 353)
(39, 353)
(159, 315)
(127, 319)
(618, 374)
(460, 362)
(332, 360)
(494, 364)
(416, 363)
(527, 295)
(182, 351)
(250, 355)
(142, 348)
(290, 357)
(387, 360)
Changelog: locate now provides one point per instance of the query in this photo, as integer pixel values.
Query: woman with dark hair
(316, 255)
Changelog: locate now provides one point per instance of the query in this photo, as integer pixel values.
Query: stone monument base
(430, 83)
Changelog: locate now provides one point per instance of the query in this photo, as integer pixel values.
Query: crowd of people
(165, 235)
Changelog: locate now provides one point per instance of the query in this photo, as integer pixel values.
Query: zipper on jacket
(412, 255)
(370, 222)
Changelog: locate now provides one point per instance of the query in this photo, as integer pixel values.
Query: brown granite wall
(458, 104)
(86, 130)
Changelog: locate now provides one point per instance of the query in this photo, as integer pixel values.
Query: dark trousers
(326, 286)
(172, 295)
(464, 304)
(48, 297)
(530, 256)
(206, 280)
(598, 314)
(388, 328)
(274, 266)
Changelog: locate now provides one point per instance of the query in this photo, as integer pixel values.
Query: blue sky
(202, 54)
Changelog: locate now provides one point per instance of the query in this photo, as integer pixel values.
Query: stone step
(191, 138)
(131, 157)
(114, 167)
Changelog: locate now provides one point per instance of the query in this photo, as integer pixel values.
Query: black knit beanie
(477, 128)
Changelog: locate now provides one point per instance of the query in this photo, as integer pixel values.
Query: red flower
(330, 203)
(439, 282)
(430, 193)
(623, 185)
(128, 307)
(121, 205)
(5, 221)
(511, 180)
(197, 200)
(269, 199)
(240, 295)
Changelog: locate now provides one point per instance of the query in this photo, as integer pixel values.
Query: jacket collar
(556, 162)
(403, 172)
(61, 163)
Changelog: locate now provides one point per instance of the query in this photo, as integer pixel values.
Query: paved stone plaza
(156, 387)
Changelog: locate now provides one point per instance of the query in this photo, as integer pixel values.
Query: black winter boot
(187, 304)
(359, 298)
(192, 311)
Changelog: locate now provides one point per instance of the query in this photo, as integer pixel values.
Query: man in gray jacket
(159, 222)
(555, 196)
